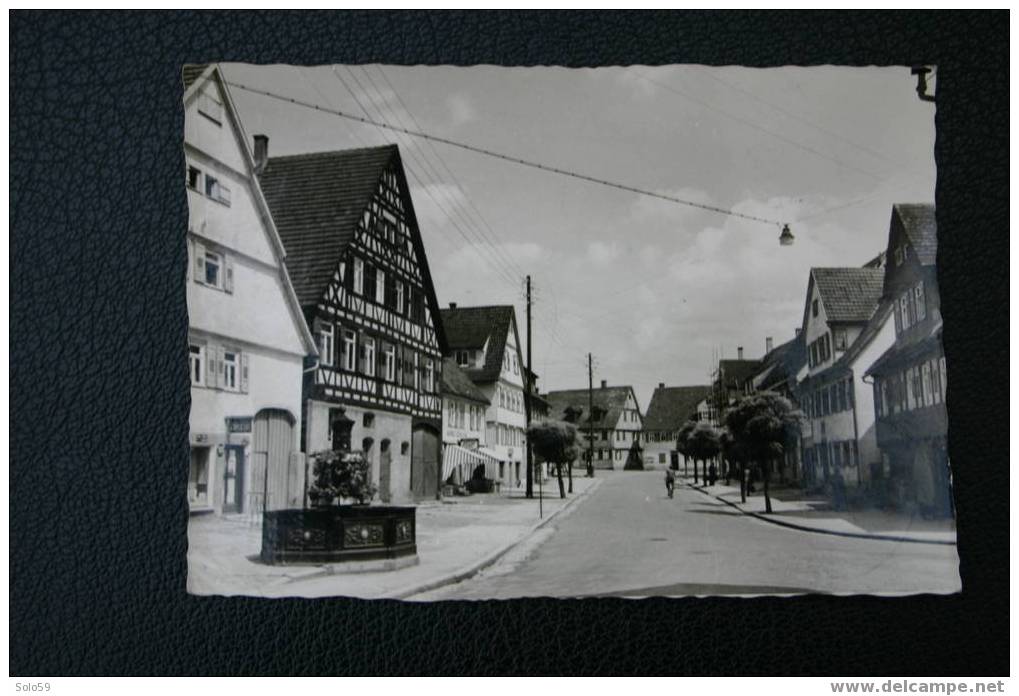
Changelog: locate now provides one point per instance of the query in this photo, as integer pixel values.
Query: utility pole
(529, 492)
(590, 417)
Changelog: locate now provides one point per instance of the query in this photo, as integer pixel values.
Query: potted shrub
(340, 476)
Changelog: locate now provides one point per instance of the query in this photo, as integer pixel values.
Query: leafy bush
(340, 476)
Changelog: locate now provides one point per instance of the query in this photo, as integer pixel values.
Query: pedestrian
(712, 474)
(670, 481)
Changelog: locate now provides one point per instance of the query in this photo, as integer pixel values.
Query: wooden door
(424, 458)
(273, 444)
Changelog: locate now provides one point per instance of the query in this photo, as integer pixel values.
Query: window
(813, 308)
(213, 269)
(368, 344)
(516, 366)
(210, 106)
(216, 191)
(900, 255)
(840, 339)
(198, 478)
(358, 276)
(935, 382)
(230, 369)
(904, 311)
(910, 393)
(380, 286)
(944, 378)
(849, 394)
(390, 357)
(349, 350)
(197, 362)
(368, 421)
(429, 376)
(324, 338)
(928, 396)
(918, 302)
(463, 358)
(194, 178)
(399, 297)
(417, 372)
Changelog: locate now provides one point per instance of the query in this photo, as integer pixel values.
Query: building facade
(484, 343)
(781, 370)
(464, 428)
(358, 264)
(845, 328)
(909, 378)
(669, 409)
(247, 340)
(612, 430)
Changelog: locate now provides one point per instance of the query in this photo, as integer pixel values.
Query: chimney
(452, 305)
(767, 345)
(604, 384)
(661, 385)
(739, 353)
(261, 152)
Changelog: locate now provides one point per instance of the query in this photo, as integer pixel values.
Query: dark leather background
(99, 390)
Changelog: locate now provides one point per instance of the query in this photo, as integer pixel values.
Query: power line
(751, 124)
(477, 250)
(507, 158)
(457, 204)
(445, 166)
(796, 117)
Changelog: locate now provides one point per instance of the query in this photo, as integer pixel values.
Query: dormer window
(463, 358)
(841, 342)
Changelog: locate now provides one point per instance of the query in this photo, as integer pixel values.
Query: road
(629, 539)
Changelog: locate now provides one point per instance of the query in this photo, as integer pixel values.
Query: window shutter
(228, 282)
(210, 366)
(361, 367)
(244, 372)
(199, 262)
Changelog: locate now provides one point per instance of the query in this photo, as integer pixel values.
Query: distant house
(484, 344)
(464, 408)
(247, 340)
(669, 409)
(845, 328)
(910, 379)
(358, 264)
(732, 379)
(615, 423)
(781, 369)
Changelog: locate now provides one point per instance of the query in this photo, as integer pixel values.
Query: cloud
(461, 109)
(602, 254)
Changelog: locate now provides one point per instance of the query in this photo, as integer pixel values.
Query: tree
(682, 444)
(763, 426)
(703, 444)
(340, 476)
(556, 442)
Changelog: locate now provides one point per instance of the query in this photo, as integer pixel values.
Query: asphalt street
(629, 539)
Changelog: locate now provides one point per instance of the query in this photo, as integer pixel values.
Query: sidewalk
(455, 539)
(798, 509)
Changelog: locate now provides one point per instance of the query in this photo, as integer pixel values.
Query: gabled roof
(921, 227)
(848, 294)
(456, 383)
(866, 337)
(317, 201)
(471, 327)
(781, 364)
(609, 401)
(738, 371)
(902, 353)
(194, 75)
(670, 407)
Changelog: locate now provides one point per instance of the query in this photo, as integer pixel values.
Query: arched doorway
(424, 461)
(274, 485)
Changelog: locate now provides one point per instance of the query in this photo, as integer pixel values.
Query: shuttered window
(196, 360)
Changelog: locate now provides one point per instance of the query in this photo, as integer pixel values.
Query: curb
(816, 530)
(475, 568)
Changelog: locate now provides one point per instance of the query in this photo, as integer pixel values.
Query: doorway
(233, 478)
(385, 473)
(424, 462)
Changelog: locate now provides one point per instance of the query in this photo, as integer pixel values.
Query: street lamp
(786, 238)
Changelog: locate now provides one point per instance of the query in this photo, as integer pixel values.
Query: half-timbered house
(611, 431)
(910, 381)
(669, 409)
(358, 264)
(247, 340)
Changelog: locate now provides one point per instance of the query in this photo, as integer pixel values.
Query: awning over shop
(454, 456)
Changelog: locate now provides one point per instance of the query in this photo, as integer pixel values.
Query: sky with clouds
(656, 291)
